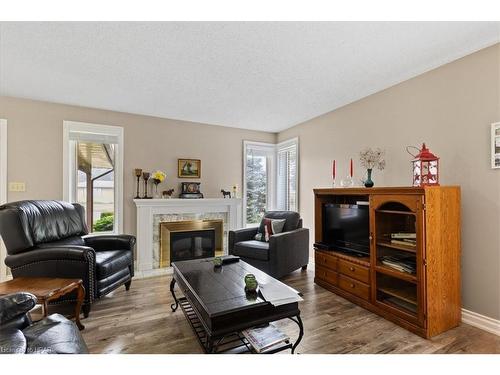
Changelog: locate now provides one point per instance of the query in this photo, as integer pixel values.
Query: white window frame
(3, 191)
(69, 164)
(3, 161)
(494, 136)
(271, 174)
(283, 145)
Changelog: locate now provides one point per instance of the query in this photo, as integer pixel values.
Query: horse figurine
(225, 193)
(167, 193)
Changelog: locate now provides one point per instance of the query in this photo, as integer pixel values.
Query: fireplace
(192, 244)
(152, 212)
(193, 239)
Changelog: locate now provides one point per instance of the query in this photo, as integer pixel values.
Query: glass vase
(369, 182)
(156, 195)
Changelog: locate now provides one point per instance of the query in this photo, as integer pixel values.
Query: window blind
(287, 177)
(82, 136)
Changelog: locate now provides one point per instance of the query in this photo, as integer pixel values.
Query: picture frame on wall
(495, 145)
(189, 168)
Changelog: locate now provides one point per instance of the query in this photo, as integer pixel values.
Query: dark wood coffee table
(215, 303)
(46, 289)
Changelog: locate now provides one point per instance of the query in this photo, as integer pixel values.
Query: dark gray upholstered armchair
(49, 239)
(284, 253)
(19, 335)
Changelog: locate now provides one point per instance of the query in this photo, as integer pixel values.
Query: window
(96, 183)
(258, 186)
(93, 173)
(3, 161)
(4, 271)
(287, 179)
(270, 178)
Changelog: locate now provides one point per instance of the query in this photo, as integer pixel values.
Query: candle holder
(347, 182)
(145, 177)
(138, 173)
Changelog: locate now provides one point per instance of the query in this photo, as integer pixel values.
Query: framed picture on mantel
(189, 168)
(495, 145)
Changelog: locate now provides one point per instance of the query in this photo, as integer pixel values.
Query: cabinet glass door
(397, 255)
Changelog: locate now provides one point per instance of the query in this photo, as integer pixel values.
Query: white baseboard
(145, 274)
(481, 321)
(5, 277)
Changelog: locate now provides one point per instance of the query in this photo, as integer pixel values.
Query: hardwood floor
(140, 321)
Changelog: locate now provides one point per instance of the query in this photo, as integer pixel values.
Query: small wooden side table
(46, 289)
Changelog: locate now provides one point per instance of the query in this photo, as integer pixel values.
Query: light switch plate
(17, 186)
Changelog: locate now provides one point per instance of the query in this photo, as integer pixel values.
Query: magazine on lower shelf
(264, 338)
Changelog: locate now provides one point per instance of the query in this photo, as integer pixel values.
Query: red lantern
(425, 168)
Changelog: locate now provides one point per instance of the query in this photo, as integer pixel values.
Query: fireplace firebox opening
(193, 239)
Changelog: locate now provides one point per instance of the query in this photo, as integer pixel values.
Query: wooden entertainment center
(425, 301)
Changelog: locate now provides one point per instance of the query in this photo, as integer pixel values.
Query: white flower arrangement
(372, 158)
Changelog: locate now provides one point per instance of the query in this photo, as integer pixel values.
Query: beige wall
(35, 149)
(451, 108)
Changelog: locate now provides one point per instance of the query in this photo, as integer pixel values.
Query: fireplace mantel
(148, 208)
(177, 202)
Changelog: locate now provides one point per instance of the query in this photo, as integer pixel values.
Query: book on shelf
(402, 235)
(406, 265)
(404, 243)
(265, 338)
(409, 241)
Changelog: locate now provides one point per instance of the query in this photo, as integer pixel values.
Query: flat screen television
(346, 228)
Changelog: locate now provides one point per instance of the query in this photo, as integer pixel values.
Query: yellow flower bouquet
(158, 177)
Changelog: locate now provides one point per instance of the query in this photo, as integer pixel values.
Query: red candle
(334, 170)
(351, 170)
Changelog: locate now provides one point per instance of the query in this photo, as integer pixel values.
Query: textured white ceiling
(255, 75)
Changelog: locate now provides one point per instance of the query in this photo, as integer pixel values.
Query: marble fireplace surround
(150, 212)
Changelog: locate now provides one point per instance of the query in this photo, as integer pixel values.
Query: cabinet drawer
(355, 287)
(326, 260)
(327, 275)
(354, 270)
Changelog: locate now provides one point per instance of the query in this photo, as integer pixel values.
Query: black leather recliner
(49, 239)
(284, 253)
(19, 335)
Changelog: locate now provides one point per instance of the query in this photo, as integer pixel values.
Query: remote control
(230, 259)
